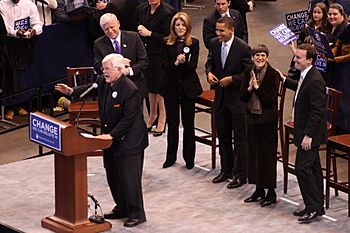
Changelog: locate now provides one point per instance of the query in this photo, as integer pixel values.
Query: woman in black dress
(153, 25)
(259, 91)
(180, 87)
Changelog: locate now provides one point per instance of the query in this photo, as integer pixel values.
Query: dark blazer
(122, 116)
(158, 23)
(310, 108)
(209, 25)
(123, 9)
(184, 73)
(131, 48)
(239, 57)
(267, 94)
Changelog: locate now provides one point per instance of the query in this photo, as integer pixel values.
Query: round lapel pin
(114, 94)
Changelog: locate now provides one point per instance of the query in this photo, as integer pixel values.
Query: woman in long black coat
(259, 91)
(180, 87)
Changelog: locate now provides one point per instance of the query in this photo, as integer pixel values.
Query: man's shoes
(308, 217)
(22, 112)
(257, 195)
(113, 215)
(221, 178)
(167, 163)
(299, 213)
(268, 201)
(133, 222)
(235, 183)
(9, 115)
(189, 166)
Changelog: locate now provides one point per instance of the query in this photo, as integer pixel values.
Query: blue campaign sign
(296, 21)
(283, 34)
(320, 42)
(45, 132)
(320, 63)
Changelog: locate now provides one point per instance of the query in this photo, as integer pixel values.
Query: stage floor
(176, 199)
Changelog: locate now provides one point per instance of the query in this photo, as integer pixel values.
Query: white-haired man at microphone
(121, 120)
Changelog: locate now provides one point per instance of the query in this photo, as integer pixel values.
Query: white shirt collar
(118, 39)
(304, 72)
(226, 13)
(229, 42)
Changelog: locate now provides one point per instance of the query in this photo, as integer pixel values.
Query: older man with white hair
(122, 121)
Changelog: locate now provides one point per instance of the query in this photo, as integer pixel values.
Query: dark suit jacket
(209, 25)
(310, 108)
(236, 62)
(267, 94)
(183, 73)
(131, 48)
(122, 116)
(124, 9)
(158, 23)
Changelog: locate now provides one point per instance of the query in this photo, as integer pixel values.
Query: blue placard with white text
(23, 24)
(45, 132)
(283, 34)
(320, 42)
(296, 21)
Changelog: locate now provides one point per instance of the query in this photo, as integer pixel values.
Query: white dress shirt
(24, 8)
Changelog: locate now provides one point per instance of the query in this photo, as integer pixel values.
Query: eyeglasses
(109, 68)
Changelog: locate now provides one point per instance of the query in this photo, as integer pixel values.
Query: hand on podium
(104, 136)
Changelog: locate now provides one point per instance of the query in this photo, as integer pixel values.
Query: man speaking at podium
(121, 120)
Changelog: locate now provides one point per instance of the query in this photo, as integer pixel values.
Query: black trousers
(172, 106)
(232, 161)
(124, 175)
(309, 174)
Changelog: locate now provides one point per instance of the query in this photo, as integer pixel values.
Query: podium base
(60, 226)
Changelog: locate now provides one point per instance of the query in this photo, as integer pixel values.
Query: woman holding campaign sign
(180, 87)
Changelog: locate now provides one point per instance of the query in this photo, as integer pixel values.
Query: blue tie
(223, 54)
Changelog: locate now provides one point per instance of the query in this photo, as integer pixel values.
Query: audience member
(228, 57)
(126, 43)
(44, 8)
(221, 9)
(154, 21)
(64, 6)
(309, 130)
(180, 87)
(243, 6)
(341, 80)
(122, 121)
(22, 26)
(259, 91)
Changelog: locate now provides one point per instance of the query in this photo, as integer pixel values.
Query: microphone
(63, 102)
(93, 199)
(95, 217)
(93, 86)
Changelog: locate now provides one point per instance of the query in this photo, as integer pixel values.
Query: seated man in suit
(126, 43)
(222, 9)
(228, 57)
(122, 121)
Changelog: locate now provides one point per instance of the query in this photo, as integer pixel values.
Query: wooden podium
(71, 194)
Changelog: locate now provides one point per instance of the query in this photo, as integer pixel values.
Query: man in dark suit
(243, 7)
(129, 45)
(222, 8)
(122, 121)
(309, 130)
(227, 59)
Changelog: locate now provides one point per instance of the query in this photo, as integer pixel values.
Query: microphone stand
(80, 109)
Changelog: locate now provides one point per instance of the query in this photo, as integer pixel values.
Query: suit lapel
(110, 45)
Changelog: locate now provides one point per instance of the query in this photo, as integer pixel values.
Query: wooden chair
(337, 147)
(88, 109)
(333, 100)
(205, 103)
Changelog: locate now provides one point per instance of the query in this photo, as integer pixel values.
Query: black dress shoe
(235, 183)
(308, 217)
(268, 201)
(299, 213)
(221, 178)
(133, 222)
(167, 164)
(255, 197)
(189, 165)
(113, 215)
(149, 129)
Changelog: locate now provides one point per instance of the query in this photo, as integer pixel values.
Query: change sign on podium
(45, 132)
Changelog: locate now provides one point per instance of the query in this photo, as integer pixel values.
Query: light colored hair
(105, 18)
(117, 60)
(171, 39)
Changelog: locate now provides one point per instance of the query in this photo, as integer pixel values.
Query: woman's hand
(143, 31)
(180, 59)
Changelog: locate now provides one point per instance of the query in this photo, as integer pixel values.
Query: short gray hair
(117, 60)
(107, 17)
